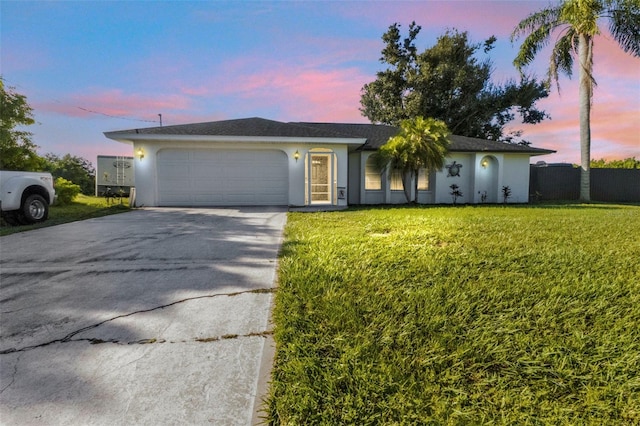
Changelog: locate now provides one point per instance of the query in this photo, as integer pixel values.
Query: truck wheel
(35, 209)
(11, 218)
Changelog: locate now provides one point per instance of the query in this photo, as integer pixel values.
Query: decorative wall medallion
(454, 169)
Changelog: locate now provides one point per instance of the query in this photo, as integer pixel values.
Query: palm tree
(420, 144)
(576, 23)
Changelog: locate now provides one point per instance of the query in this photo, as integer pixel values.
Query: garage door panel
(174, 170)
(201, 199)
(178, 199)
(222, 177)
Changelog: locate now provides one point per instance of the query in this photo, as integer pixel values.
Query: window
(372, 179)
(423, 180)
(396, 180)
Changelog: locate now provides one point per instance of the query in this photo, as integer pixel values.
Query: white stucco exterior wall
(516, 176)
(485, 174)
(146, 172)
(464, 181)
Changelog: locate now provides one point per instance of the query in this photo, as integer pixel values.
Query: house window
(423, 180)
(396, 180)
(372, 178)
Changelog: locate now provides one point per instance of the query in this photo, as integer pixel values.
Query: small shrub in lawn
(66, 191)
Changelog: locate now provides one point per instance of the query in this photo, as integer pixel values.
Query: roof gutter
(131, 138)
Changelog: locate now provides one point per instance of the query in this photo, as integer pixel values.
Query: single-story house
(255, 161)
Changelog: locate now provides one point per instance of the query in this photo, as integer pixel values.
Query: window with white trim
(372, 178)
(396, 180)
(423, 180)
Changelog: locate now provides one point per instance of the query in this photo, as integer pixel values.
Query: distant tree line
(627, 163)
(19, 152)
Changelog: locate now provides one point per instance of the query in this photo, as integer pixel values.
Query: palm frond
(562, 57)
(624, 25)
(544, 17)
(537, 28)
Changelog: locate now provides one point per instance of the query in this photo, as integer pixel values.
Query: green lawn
(468, 315)
(83, 207)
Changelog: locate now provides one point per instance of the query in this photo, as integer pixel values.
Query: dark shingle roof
(466, 144)
(240, 127)
(376, 135)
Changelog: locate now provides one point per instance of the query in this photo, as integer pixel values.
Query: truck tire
(35, 209)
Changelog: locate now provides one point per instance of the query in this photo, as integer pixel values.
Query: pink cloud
(473, 16)
(115, 103)
(307, 94)
(615, 129)
(611, 61)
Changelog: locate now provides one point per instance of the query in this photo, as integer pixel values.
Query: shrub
(66, 191)
(455, 193)
(506, 193)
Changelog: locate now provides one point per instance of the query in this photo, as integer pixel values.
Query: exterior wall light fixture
(140, 153)
(484, 163)
(296, 155)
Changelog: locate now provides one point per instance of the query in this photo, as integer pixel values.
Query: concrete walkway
(152, 317)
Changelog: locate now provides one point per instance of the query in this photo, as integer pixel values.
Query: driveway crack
(69, 337)
(13, 376)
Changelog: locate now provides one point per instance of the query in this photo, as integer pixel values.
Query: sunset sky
(95, 66)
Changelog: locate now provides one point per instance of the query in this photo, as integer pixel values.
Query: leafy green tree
(447, 82)
(576, 24)
(75, 169)
(17, 151)
(627, 163)
(420, 144)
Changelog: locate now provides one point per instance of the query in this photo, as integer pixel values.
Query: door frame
(332, 176)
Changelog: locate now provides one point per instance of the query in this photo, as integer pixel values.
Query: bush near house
(473, 315)
(66, 191)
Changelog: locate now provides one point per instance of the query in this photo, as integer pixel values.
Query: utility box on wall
(114, 174)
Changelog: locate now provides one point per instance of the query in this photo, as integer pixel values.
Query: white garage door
(203, 177)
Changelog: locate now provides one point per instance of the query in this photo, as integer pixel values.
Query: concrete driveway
(155, 316)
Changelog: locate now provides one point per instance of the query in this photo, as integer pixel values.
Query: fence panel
(621, 185)
(563, 183)
(554, 183)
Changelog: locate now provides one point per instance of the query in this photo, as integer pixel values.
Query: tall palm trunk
(586, 91)
(406, 175)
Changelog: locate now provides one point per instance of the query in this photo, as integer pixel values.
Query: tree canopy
(573, 24)
(17, 150)
(450, 83)
(75, 169)
(420, 144)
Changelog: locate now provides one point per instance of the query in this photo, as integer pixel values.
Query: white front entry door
(321, 171)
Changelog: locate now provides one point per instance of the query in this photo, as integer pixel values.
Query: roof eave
(131, 138)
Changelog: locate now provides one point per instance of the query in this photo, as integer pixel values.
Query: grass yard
(83, 207)
(468, 315)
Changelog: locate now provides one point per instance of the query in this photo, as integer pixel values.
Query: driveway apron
(155, 316)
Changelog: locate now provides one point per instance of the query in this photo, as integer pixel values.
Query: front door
(320, 178)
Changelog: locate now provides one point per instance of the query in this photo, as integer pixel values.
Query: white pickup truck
(25, 196)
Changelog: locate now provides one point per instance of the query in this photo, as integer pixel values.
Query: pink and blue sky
(88, 67)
